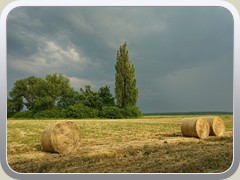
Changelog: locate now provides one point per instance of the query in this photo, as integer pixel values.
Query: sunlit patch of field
(147, 145)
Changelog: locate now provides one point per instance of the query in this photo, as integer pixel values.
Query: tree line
(53, 97)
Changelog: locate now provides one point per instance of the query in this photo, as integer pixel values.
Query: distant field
(153, 144)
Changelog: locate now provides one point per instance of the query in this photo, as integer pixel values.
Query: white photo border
(134, 3)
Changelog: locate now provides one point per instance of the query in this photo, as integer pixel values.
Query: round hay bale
(217, 127)
(63, 137)
(195, 127)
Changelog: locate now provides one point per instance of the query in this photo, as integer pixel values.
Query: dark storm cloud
(182, 56)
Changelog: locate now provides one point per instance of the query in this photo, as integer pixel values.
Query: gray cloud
(183, 56)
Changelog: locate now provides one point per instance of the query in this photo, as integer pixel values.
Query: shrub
(112, 112)
(10, 114)
(132, 112)
(48, 114)
(23, 115)
(81, 111)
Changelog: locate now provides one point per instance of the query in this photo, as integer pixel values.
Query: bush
(81, 111)
(112, 112)
(23, 115)
(132, 112)
(10, 114)
(48, 114)
(44, 114)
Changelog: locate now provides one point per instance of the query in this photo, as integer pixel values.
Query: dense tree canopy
(69, 98)
(53, 97)
(106, 97)
(38, 94)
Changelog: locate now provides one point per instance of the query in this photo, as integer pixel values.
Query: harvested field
(147, 145)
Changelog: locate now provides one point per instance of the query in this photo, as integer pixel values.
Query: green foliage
(132, 112)
(53, 97)
(23, 115)
(126, 90)
(69, 98)
(57, 85)
(112, 112)
(90, 98)
(39, 94)
(13, 106)
(49, 114)
(78, 111)
(42, 103)
(106, 97)
(25, 91)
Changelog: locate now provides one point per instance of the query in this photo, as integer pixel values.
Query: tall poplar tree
(126, 91)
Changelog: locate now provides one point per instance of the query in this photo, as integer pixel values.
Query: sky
(183, 56)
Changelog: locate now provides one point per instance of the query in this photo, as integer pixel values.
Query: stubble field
(152, 144)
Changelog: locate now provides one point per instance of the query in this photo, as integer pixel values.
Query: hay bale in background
(63, 137)
(217, 127)
(195, 127)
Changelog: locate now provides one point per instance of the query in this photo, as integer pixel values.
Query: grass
(146, 145)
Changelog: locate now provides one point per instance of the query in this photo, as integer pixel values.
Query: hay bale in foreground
(217, 127)
(195, 127)
(63, 137)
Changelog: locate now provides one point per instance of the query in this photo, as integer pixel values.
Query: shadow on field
(171, 135)
(223, 139)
